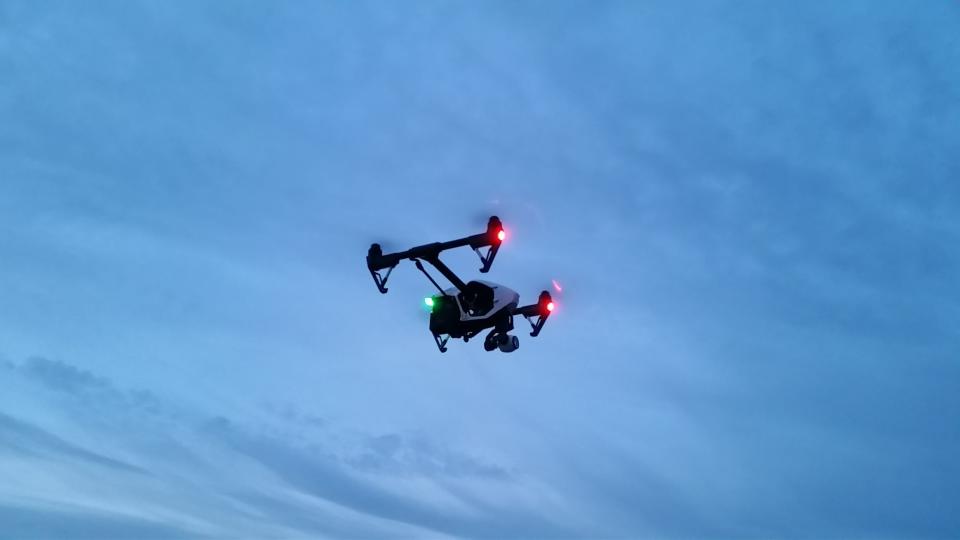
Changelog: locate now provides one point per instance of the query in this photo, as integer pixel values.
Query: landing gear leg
(441, 343)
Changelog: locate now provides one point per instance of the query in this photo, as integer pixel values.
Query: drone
(466, 309)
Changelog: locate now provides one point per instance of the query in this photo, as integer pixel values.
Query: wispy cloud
(133, 469)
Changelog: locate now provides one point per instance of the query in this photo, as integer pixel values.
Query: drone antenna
(424, 270)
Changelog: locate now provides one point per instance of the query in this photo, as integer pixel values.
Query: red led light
(549, 306)
(501, 235)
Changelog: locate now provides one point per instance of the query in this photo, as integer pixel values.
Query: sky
(752, 207)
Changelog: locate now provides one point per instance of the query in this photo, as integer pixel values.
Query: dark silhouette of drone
(466, 309)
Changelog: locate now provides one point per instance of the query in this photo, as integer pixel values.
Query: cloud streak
(234, 478)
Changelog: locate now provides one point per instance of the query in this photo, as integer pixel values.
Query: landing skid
(441, 343)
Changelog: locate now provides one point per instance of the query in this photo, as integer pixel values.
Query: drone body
(466, 309)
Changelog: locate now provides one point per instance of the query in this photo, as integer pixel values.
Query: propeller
(559, 293)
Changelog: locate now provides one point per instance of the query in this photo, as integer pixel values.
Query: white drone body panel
(502, 297)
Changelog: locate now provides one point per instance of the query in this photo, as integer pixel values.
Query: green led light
(429, 302)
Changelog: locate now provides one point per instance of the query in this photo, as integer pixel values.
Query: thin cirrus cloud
(215, 476)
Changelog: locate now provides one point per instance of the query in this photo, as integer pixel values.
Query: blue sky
(753, 208)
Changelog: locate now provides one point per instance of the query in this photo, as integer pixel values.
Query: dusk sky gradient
(753, 208)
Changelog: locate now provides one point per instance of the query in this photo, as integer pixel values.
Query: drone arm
(435, 284)
(493, 237)
(447, 273)
(541, 310)
(377, 261)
